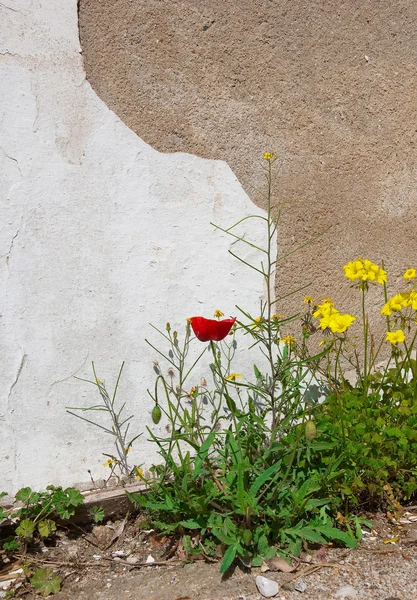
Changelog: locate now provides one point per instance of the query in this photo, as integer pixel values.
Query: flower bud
(156, 414)
(310, 430)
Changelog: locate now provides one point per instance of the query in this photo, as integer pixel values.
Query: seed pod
(156, 414)
(310, 430)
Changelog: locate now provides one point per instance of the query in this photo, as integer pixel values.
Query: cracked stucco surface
(99, 236)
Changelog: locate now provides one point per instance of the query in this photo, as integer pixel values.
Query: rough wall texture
(99, 235)
(330, 85)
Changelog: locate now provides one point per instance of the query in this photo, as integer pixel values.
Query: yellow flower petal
(233, 376)
(410, 274)
(395, 337)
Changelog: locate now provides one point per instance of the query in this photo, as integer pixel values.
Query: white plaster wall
(99, 235)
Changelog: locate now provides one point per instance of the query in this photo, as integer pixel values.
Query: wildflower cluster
(331, 318)
(365, 270)
(400, 301)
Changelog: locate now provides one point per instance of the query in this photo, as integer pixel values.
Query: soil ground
(92, 569)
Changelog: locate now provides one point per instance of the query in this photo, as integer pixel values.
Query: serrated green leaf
(11, 544)
(45, 582)
(46, 528)
(192, 524)
(75, 497)
(26, 529)
(23, 495)
(97, 513)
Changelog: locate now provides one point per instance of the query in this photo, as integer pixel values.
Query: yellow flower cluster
(331, 318)
(400, 301)
(218, 314)
(365, 270)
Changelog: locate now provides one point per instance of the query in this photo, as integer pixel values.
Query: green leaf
(26, 529)
(332, 533)
(75, 497)
(394, 432)
(263, 478)
(45, 582)
(193, 524)
(3, 514)
(202, 454)
(306, 533)
(97, 513)
(23, 495)
(11, 544)
(46, 528)
(228, 558)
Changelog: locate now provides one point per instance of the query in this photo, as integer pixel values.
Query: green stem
(365, 341)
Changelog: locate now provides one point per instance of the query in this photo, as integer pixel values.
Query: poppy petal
(207, 330)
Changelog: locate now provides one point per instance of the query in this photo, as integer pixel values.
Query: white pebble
(266, 587)
(347, 591)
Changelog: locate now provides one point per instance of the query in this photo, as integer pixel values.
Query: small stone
(266, 587)
(150, 559)
(120, 553)
(300, 585)
(132, 560)
(346, 591)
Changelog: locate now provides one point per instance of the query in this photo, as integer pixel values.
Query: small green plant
(97, 513)
(40, 512)
(45, 582)
(118, 428)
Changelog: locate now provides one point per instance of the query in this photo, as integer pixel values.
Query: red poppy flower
(209, 329)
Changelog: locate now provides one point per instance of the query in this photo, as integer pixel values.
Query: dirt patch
(329, 85)
(94, 567)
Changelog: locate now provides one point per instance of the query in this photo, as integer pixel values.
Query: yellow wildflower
(395, 303)
(288, 339)
(410, 299)
(193, 390)
(233, 377)
(256, 322)
(354, 270)
(395, 337)
(138, 473)
(218, 314)
(339, 323)
(276, 316)
(410, 274)
(325, 310)
(373, 272)
(108, 463)
(366, 270)
(308, 300)
(267, 155)
(127, 450)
